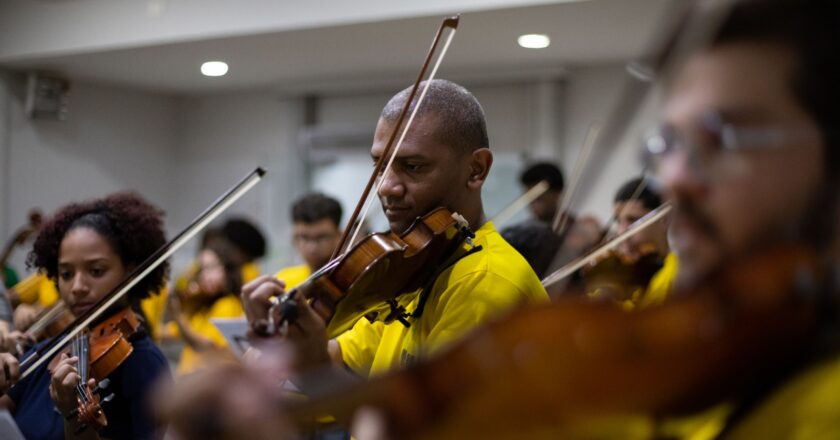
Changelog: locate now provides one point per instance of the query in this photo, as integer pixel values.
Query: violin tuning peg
(107, 398)
(104, 383)
(462, 222)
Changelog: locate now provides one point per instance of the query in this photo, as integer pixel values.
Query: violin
(619, 277)
(50, 322)
(574, 360)
(101, 350)
(354, 286)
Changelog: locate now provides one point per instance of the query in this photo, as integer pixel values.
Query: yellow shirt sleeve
(154, 307)
(358, 345)
(662, 283)
(293, 276)
(29, 288)
(250, 272)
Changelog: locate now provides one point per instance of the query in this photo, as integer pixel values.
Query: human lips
(395, 210)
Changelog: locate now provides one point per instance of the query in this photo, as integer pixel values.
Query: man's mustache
(688, 210)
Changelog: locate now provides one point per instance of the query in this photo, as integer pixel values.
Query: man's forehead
(419, 140)
(742, 81)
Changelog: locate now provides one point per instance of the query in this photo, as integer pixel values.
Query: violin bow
(639, 225)
(39, 357)
(520, 203)
(394, 144)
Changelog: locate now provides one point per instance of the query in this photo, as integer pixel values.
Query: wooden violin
(618, 277)
(100, 351)
(355, 285)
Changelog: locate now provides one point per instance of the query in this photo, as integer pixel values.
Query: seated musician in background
(536, 238)
(544, 208)
(748, 154)
(443, 162)
(646, 255)
(219, 281)
(249, 244)
(316, 230)
(89, 248)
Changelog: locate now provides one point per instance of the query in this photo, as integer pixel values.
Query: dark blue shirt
(129, 413)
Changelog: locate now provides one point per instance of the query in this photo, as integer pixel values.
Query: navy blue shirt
(129, 413)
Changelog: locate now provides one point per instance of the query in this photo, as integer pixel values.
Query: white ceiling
(391, 50)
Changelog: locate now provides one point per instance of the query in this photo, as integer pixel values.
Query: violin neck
(80, 347)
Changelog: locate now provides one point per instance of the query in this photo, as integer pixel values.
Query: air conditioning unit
(46, 96)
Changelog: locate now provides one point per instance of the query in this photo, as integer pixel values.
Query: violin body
(547, 366)
(101, 350)
(617, 277)
(109, 345)
(357, 285)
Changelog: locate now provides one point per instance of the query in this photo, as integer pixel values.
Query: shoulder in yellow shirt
(471, 291)
(294, 275)
(662, 283)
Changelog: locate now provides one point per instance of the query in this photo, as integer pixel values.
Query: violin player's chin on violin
(89, 248)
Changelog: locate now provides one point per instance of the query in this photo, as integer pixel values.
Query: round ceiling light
(534, 41)
(214, 68)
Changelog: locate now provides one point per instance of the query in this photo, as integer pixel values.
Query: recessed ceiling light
(534, 41)
(214, 68)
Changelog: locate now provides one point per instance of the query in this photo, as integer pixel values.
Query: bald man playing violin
(443, 162)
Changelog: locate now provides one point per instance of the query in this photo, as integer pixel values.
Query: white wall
(223, 138)
(591, 95)
(113, 140)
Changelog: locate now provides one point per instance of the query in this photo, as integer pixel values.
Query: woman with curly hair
(88, 248)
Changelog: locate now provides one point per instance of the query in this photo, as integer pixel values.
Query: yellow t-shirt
(37, 289)
(294, 275)
(250, 271)
(471, 291)
(805, 407)
(154, 307)
(226, 307)
(661, 285)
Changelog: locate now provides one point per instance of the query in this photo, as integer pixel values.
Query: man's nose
(682, 176)
(391, 186)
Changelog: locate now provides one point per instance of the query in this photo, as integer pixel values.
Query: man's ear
(480, 163)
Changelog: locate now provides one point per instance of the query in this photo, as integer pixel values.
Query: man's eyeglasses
(713, 139)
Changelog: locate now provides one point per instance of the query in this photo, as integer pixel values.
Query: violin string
(407, 125)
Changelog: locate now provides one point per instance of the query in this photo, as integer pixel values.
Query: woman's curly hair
(130, 224)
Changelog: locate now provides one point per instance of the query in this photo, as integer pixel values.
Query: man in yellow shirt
(635, 199)
(316, 220)
(748, 153)
(443, 162)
